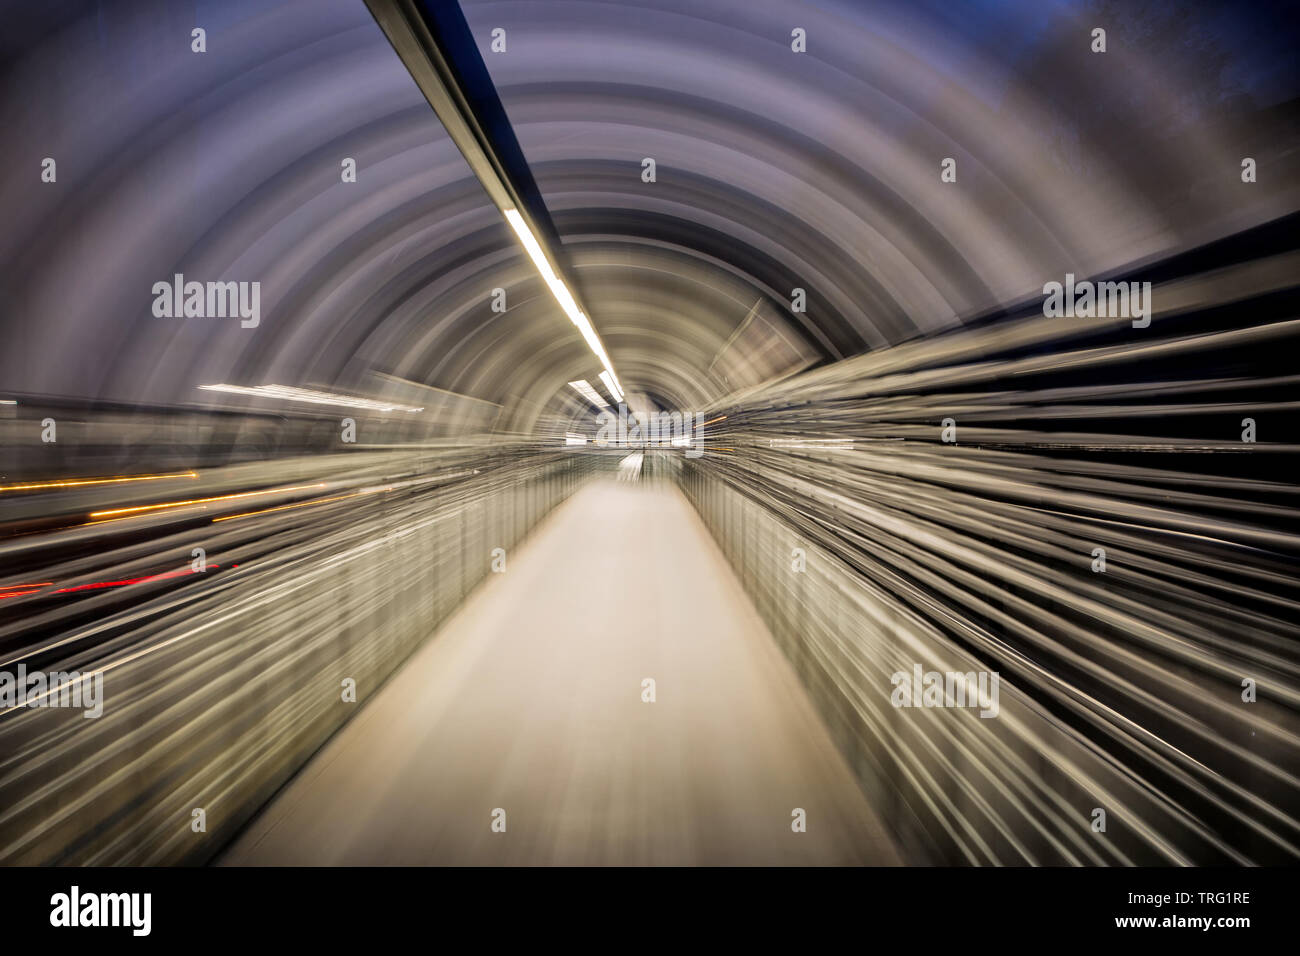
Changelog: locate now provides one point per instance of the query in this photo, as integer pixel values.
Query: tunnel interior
(312, 467)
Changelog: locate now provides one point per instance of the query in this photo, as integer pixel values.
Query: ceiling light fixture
(290, 394)
(563, 296)
(583, 388)
(611, 383)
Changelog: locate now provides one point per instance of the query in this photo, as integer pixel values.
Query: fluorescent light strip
(583, 388)
(611, 383)
(291, 394)
(562, 295)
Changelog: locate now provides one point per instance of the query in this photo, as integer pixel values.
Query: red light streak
(147, 577)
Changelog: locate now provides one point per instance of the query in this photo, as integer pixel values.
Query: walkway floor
(529, 700)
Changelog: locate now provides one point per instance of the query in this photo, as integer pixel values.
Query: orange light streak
(202, 501)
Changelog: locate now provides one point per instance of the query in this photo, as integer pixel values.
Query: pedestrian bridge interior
(376, 559)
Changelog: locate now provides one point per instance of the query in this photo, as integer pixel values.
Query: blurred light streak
(301, 504)
(201, 501)
(148, 577)
(21, 590)
(81, 482)
(812, 444)
(310, 396)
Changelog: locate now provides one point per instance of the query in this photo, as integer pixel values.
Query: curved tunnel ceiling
(775, 170)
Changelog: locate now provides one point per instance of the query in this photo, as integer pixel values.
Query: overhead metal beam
(437, 48)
